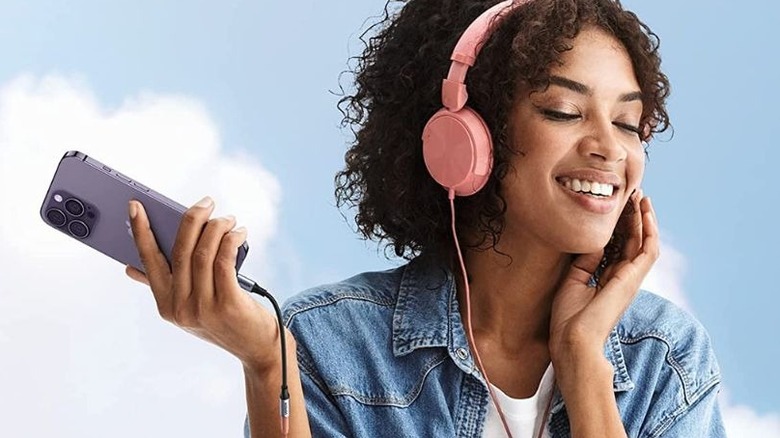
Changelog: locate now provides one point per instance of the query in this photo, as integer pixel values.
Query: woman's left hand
(583, 315)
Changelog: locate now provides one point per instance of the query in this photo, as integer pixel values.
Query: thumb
(136, 275)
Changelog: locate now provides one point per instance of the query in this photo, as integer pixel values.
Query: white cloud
(84, 352)
(743, 422)
(666, 279)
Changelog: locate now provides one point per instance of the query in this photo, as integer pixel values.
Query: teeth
(592, 187)
(586, 187)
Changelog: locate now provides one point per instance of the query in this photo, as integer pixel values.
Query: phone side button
(124, 178)
(140, 186)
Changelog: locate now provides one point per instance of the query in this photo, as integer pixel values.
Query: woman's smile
(594, 190)
(593, 196)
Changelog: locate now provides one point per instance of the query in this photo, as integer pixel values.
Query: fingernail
(133, 210)
(205, 202)
(240, 230)
(230, 218)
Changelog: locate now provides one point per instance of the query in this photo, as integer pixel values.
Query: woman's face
(580, 155)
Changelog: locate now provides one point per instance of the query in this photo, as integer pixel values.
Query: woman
(556, 235)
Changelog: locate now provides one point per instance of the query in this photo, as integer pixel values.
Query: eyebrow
(581, 88)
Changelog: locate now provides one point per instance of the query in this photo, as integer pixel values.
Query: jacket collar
(426, 315)
(424, 307)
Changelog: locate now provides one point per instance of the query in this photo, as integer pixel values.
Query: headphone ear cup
(458, 150)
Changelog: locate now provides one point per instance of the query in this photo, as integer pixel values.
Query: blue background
(265, 70)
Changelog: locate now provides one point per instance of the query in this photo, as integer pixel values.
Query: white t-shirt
(524, 415)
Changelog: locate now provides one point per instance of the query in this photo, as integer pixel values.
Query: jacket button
(462, 353)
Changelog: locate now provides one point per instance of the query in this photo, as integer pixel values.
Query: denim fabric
(385, 354)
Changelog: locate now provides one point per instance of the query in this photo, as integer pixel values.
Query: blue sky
(263, 72)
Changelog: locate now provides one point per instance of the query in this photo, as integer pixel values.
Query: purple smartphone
(87, 200)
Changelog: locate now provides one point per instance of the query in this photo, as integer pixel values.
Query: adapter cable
(284, 398)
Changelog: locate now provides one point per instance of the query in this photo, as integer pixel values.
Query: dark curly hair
(398, 88)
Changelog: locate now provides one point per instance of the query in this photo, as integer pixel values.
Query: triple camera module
(71, 215)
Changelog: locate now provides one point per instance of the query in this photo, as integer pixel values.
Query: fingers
(225, 262)
(205, 253)
(584, 265)
(650, 236)
(618, 293)
(190, 229)
(634, 228)
(154, 261)
(203, 262)
(136, 275)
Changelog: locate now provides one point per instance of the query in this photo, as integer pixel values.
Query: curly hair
(398, 88)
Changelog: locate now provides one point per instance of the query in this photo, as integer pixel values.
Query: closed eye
(558, 115)
(627, 127)
(565, 117)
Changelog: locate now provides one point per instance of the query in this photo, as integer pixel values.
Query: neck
(512, 294)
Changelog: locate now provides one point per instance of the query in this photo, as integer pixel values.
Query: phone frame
(104, 194)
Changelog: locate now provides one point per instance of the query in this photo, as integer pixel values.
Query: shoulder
(338, 319)
(657, 336)
(345, 331)
(373, 288)
(337, 326)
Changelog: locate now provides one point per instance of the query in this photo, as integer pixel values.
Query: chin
(587, 243)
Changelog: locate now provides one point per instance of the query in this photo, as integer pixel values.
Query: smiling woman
(537, 327)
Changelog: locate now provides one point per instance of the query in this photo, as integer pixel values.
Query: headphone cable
(451, 196)
(284, 397)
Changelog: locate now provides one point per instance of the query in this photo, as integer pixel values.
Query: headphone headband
(453, 90)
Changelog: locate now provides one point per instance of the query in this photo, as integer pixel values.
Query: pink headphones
(457, 145)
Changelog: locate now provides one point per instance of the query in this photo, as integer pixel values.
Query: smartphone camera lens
(74, 207)
(78, 229)
(56, 217)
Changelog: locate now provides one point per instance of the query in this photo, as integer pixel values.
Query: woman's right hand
(199, 291)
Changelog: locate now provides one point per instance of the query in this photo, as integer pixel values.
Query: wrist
(271, 359)
(580, 374)
(586, 385)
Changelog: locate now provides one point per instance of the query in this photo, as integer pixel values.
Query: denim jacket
(385, 354)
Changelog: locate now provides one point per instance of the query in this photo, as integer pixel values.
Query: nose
(602, 143)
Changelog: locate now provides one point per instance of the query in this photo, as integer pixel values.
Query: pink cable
(451, 196)
(468, 316)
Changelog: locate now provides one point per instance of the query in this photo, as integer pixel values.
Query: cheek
(635, 168)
